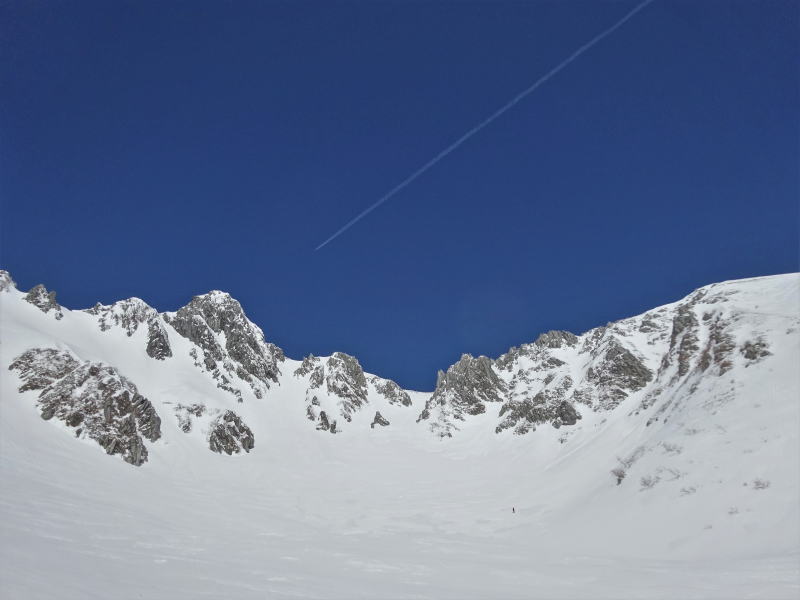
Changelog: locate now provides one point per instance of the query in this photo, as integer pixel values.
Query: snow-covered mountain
(668, 435)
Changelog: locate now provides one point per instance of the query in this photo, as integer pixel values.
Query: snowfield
(708, 505)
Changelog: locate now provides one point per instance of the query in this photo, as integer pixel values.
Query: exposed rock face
(324, 425)
(128, 315)
(567, 414)
(125, 314)
(157, 340)
(719, 347)
(336, 384)
(6, 283)
(230, 435)
(44, 300)
(615, 374)
(557, 339)
(391, 391)
(546, 406)
(93, 398)
(229, 341)
(345, 378)
(379, 420)
(684, 338)
(463, 390)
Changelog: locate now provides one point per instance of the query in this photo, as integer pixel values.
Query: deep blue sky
(162, 149)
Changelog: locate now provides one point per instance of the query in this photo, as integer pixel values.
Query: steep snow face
(660, 458)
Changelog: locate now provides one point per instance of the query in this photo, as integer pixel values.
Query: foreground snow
(708, 507)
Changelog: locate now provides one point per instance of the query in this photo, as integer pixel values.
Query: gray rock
(345, 378)
(44, 300)
(463, 390)
(128, 315)
(393, 393)
(324, 424)
(755, 350)
(245, 354)
(557, 339)
(683, 339)
(230, 435)
(93, 396)
(379, 420)
(340, 376)
(157, 340)
(719, 347)
(547, 406)
(616, 374)
(567, 414)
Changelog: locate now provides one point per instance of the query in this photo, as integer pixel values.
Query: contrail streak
(488, 120)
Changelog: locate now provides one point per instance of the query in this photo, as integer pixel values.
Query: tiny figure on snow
(513, 510)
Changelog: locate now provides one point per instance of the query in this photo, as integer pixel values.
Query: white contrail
(485, 122)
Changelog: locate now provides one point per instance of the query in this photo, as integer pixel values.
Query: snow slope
(707, 507)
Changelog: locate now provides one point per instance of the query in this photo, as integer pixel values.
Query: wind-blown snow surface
(708, 507)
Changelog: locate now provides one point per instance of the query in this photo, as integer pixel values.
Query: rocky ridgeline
(541, 382)
(659, 358)
(92, 398)
(230, 345)
(128, 315)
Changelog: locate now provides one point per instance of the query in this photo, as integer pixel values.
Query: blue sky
(163, 149)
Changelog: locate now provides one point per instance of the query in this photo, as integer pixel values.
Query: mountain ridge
(552, 380)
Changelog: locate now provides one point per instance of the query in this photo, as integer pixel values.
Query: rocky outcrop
(546, 406)
(557, 339)
(125, 314)
(336, 384)
(230, 435)
(683, 342)
(231, 344)
(379, 420)
(566, 414)
(44, 300)
(393, 393)
(92, 398)
(345, 378)
(128, 315)
(463, 390)
(615, 374)
(324, 425)
(157, 340)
